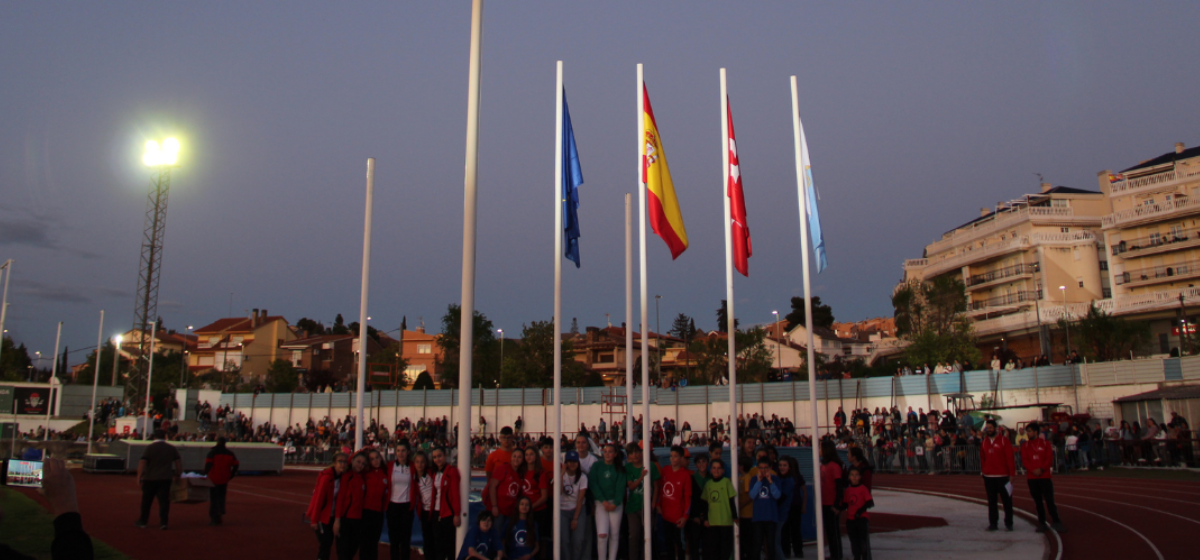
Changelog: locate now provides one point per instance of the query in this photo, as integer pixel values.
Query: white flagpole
(95, 379)
(647, 444)
(628, 318)
(54, 373)
(729, 320)
(801, 187)
(558, 239)
(362, 308)
(466, 338)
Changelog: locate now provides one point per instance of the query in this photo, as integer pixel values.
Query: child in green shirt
(722, 511)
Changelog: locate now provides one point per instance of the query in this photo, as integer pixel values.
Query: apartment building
(1043, 249)
(248, 344)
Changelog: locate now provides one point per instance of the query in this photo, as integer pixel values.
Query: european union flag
(572, 178)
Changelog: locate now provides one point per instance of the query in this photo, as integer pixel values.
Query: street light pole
(116, 358)
(1066, 323)
(50, 393)
(658, 343)
(778, 347)
(501, 331)
(4, 300)
(95, 381)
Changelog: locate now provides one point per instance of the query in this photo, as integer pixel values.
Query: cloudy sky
(917, 114)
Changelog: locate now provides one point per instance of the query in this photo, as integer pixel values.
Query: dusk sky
(917, 114)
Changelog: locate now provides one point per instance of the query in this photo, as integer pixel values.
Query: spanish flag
(665, 217)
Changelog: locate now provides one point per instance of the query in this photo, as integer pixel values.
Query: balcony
(1152, 212)
(1001, 275)
(977, 254)
(1006, 219)
(1157, 244)
(1007, 300)
(1153, 182)
(1159, 274)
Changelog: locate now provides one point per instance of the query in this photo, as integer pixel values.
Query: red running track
(1106, 517)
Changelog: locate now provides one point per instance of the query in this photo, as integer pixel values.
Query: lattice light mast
(160, 159)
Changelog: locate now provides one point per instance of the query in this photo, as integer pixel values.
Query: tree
(106, 356)
(317, 379)
(312, 327)
(392, 355)
(424, 381)
(339, 326)
(372, 332)
(723, 318)
(931, 317)
(712, 357)
(531, 362)
(822, 314)
(683, 327)
(484, 365)
(282, 377)
(574, 325)
(14, 361)
(1103, 337)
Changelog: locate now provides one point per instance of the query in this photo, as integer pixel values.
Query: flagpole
(146, 431)
(729, 320)
(362, 309)
(647, 444)
(801, 188)
(628, 318)
(558, 238)
(95, 379)
(466, 338)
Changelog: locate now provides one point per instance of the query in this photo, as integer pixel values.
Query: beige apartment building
(1042, 249)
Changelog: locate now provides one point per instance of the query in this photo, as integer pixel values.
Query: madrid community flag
(814, 219)
(742, 249)
(665, 217)
(572, 178)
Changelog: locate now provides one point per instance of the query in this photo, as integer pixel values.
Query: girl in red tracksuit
(374, 504)
(422, 478)
(347, 526)
(999, 467)
(321, 508)
(856, 500)
(446, 507)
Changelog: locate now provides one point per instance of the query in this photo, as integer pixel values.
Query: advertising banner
(32, 400)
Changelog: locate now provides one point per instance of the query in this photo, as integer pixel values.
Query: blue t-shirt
(484, 543)
(519, 541)
(765, 495)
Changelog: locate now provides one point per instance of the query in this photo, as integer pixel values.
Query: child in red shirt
(675, 487)
(856, 500)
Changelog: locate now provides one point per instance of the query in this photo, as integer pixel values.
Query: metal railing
(1027, 296)
(1006, 272)
(1148, 274)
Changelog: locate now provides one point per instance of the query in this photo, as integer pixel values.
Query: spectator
(856, 500)
(1037, 458)
(607, 486)
(765, 492)
(70, 541)
(676, 498)
(504, 487)
(159, 467)
(520, 534)
(998, 466)
(321, 512)
(221, 465)
(722, 513)
(573, 512)
(535, 485)
(790, 539)
(697, 512)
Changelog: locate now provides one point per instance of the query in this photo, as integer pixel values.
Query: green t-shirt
(634, 503)
(606, 483)
(718, 494)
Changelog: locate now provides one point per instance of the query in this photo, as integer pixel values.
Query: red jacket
(350, 496)
(379, 485)
(448, 505)
(1037, 454)
(220, 466)
(857, 500)
(997, 457)
(320, 507)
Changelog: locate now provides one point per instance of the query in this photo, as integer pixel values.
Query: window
(1155, 239)
(1059, 203)
(1103, 265)
(1076, 253)
(1177, 231)
(424, 348)
(1065, 230)
(296, 356)
(605, 358)
(1107, 292)
(1079, 279)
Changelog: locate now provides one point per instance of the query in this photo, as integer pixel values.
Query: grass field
(1178, 475)
(29, 528)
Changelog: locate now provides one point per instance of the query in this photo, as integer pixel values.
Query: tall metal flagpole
(558, 238)
(50, 393)
(95, 379)
(359, 420)
(466, 338)
(4, 302)
(801, 187)
(628, 318)
(731, 329)
(149, 377)
(647, 444)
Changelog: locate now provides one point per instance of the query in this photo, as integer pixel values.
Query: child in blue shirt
(520, 537)
(481, 542)
(765, 492)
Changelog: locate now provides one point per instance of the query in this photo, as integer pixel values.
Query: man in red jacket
(1037, 456)
(999, 466)
(220, 466)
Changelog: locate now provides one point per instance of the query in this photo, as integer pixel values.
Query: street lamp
(778, 346)
(658, 343)
(39, 365)
(1066, 323)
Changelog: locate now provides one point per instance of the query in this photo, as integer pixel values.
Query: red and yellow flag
(665, 217)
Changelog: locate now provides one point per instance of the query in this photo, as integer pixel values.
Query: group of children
(694, 511)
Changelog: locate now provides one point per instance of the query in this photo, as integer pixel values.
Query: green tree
(372, 332)
(1102, 337)
(723, 318)
(484, 365)
(931, 317)
(282, 377)
(530, 363)
(14, 361)
(312, 327)
(822, 314)
(712, 357)
(424, 381)
(683, 327)
(339, 326)
(84, 377)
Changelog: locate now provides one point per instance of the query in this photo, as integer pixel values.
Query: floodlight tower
(160, 159)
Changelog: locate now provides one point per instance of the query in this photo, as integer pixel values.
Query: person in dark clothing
(791, 542)
(220, 467)
(158, 468)
(70, 541)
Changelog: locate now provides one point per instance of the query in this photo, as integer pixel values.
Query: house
(246, 344)
(602, 350)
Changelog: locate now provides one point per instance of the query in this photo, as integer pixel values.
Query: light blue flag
(814, 218)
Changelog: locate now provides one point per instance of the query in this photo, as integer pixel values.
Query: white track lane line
(268, 496)
(1086, 489)
(1056, 494)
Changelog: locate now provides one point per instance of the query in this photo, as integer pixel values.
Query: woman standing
(321, 507)
(831, 474)
(504, 487)
(422, 480)
(401, 494)
(374, 504)
(608, 488)
(446, 488)
(573, 525)
(535, 485)
(347, 527)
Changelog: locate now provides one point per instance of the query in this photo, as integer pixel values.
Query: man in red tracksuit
(220, 466)
(1037, 456)
(675, 487)
(999, 467)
